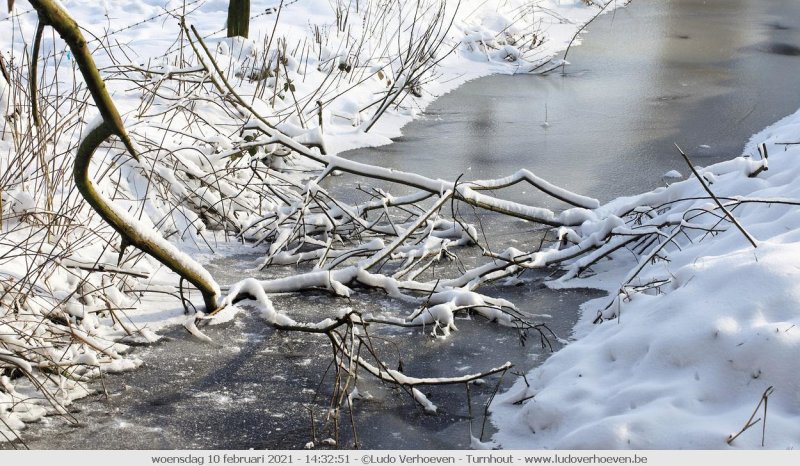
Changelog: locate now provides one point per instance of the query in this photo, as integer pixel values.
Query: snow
(681, 365)
(443, 305)
(545, 186)
(251, 287)
(426, 404)
(150, 235)
(685, 365)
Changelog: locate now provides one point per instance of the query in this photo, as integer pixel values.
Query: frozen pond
(255, 388)
(705, 74)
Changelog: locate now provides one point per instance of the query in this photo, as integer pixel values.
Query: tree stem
(52, 14)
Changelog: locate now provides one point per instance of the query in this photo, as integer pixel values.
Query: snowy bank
(686, 351)
(72, 290)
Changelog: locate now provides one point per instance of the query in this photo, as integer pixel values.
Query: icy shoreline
(684, 364)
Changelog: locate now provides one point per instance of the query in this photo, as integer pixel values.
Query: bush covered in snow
(227, 132)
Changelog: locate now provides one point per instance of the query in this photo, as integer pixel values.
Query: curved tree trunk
(51, 13)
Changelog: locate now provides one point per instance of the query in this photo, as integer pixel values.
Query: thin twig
(713, 196)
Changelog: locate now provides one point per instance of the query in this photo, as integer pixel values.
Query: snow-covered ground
(494, 37)
(685, 364)
(683, 355)
(75, 302)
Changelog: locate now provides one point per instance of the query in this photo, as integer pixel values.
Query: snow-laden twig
(730, 216)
